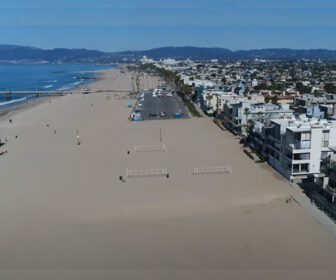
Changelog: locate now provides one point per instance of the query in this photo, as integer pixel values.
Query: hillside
(61, 55)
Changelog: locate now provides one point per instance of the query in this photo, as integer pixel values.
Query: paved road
(156, 105)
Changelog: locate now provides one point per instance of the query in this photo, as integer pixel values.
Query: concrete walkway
(314, 211)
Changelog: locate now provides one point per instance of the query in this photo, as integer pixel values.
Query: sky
(116, 25)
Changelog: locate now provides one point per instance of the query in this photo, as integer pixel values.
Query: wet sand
(64, 213)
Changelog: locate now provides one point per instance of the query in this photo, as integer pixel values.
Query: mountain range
(13, 53)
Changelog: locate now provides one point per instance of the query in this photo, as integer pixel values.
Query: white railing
(154, 148)
(212, 170)
(146, 173)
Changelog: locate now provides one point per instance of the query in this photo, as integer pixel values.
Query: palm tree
(246, 112)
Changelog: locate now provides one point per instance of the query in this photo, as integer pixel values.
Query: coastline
(63, 207)
(10, 111)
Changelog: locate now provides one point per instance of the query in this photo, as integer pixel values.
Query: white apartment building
(213, 100)
(238, 115)
(296, 147)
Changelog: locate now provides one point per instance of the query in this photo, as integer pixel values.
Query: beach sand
(64, 213)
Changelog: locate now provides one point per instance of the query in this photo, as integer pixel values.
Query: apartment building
(326, 103)
(237, 116)
(295, 147)
(208, 101)
(329, 189)
(213, 100)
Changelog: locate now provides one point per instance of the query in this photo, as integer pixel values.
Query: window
(297, 137)
(305, 136)
(305, 156)
(325, 144)
(296, 168)
(325, 135)
(300, 168)
(325, 139)
(324, 155)
(305, 167)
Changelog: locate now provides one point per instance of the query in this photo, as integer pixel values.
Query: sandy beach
(64, 213)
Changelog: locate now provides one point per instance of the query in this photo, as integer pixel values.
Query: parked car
(178, 115)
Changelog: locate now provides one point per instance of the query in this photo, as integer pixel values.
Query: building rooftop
(303, 123)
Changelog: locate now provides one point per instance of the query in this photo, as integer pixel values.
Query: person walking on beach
(78, 140)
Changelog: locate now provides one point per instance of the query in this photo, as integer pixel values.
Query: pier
(59, 92)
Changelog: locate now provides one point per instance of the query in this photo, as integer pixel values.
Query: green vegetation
(274, 99)
(317, 93)
(190, 105)
(298, 110)
(249, 126)
(168, 76)
(302, 88)
(330, 88)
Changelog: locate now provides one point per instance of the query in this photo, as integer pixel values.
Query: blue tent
(137, 118)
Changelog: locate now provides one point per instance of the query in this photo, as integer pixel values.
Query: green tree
(330, 88)
(302, 88)
(249, 127)
(246, 113)
(275, 99)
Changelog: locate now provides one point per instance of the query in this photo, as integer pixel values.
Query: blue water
(42, 77)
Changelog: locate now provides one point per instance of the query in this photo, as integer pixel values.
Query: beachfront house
(295, 147)
(238, 116)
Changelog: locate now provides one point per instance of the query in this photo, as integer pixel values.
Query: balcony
(301, 157)
(300, 145)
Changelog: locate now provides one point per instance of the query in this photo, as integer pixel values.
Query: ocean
(42, 77)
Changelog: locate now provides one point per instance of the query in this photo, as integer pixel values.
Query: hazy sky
(113, 25)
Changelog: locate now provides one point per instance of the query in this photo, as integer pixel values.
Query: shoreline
(10, 111)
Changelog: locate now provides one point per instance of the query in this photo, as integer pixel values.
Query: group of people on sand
(3, 143)
(16, 137)
(77, 136)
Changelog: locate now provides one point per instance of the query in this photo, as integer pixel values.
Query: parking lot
(164, 105)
